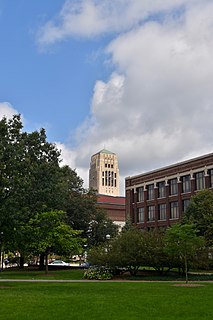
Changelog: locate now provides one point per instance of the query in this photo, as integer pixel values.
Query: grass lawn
(105, 300)
(29, 274)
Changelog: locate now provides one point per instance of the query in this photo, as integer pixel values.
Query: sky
(132, 76)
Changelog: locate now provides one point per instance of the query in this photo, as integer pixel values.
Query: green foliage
(32, 184)
(99, 227)
(182, 242)
(154, 251)
(133, 249)
(47, 232)
(200, 213)
(126, 251)
(99, 255)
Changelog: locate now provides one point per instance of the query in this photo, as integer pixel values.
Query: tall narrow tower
(104, 173)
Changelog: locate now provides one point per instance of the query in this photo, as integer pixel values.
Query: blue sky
(51, 87)
(134, 76)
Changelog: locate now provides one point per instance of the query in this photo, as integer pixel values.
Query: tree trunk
(46, 265)
(1, 269)
(186, 268)
(41, 264)
(2, 260)
(21, 262)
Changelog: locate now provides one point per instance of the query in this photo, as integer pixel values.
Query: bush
(100, 273)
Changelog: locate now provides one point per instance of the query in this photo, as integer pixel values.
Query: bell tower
(104, 173)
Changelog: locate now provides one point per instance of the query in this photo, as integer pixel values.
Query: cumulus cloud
(157, 105)
(89, 18)
(7, 110)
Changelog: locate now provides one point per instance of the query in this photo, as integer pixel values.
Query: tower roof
(106, 151)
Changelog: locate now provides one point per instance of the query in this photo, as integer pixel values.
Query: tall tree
(48, 232)
(31, 179)
(128, 251)
(80, 204)
(182, 242)
(200, 213)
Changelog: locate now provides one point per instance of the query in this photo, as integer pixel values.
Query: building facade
(114, 208)
(160, 197)
(104, 173)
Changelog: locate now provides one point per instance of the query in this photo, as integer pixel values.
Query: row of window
(174, 212)
(108, 165)
(173, 186)
(109, 179)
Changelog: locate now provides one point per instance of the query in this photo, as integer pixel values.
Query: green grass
(105, 300)
(33, 274)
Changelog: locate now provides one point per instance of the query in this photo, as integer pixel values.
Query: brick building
(158, 198)
(114, 208)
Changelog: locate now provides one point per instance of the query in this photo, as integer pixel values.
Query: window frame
(151, 213)
(162, 213)
(150, 192)
(173, 186)
(174, 210)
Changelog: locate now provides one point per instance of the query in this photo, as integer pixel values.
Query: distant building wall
(114, 208)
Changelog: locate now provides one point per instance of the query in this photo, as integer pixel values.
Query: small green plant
(98, 274)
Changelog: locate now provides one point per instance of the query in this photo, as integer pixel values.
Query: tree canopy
(200, 213)
(32, 183)
(182, 242)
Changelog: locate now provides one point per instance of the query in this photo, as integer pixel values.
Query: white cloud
(156, 107)
(7, 110)
(89, 18)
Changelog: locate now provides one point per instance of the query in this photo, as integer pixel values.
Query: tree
(47, 232)
(154, 252)
(99, 227)
(183, 242)
(127, 251)
(31, 180)
(200, 213)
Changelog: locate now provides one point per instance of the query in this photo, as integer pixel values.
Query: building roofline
(104, 151)
(109, 195)
(170, 166)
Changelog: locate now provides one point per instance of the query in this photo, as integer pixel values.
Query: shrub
(100, 273)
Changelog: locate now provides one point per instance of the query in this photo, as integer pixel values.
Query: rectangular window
(162, 211)
(151, 213)
(112, 182)
(140, 194)
(161, 190)
(185, 204)
(174, 210)
(173, 186)
(211, 177)
(102, 178)
(150, 192)
(109, 178)
(186, 183)
(106, 178)
(140, 215)
(199, 180)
